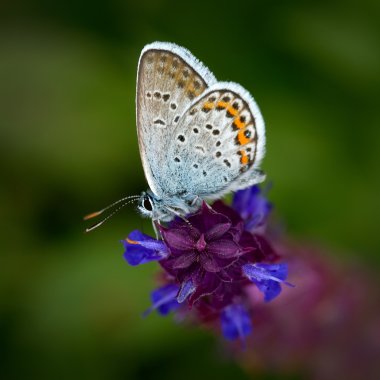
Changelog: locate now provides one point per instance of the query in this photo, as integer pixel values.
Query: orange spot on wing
(232, 111)
(242, 138)
(244, 159)
(190, 85)
(238, 124)
(208, 105)
(222, 104)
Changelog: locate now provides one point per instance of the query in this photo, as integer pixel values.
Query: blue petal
(270, 289)
(164, 299)
(236, 322)
(187, 288)
(275, 272)
(243, 201)
(141, 248)
(252, 206)
(267, 278)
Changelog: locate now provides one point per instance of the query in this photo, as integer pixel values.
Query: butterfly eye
(147, 204)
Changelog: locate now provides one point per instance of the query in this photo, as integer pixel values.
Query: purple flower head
(208, 252)
(210, 259)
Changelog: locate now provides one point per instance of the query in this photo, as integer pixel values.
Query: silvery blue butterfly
(199, 139)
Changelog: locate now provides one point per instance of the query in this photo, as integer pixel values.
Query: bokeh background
(70, 307)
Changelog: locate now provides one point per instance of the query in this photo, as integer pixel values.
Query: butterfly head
(166, 209)
(153, 207)
(146, 204)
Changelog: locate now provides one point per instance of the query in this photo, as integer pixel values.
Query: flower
(267, 277)
(328, 328)
(236, 322)
(164, 299)
(253, 207)
(141, 248)
(210, 259)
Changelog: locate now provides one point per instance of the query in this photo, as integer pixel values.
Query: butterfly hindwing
(169, 78)
(217, 145)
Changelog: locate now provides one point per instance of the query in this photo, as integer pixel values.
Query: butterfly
(199, 139)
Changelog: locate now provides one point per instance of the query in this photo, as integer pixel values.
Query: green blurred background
(70, 307)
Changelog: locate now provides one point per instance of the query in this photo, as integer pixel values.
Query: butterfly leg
(196, 201)
(176, 213)
(156, 230)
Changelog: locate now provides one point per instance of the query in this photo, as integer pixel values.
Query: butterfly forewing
(217, 144)
(169, 78)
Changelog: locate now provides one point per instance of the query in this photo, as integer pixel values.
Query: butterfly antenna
(97, 213)
(126, 200)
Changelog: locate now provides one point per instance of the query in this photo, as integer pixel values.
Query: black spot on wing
(227, 163)
(159, 122)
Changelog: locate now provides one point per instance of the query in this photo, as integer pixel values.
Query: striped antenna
(126, 201)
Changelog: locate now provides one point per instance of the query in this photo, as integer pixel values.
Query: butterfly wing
(217, 145)
(169, 78)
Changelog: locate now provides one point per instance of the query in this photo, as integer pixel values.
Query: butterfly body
(199, 138)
